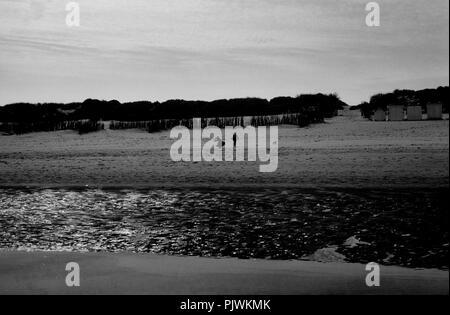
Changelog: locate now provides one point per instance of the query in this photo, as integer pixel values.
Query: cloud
(220, 48)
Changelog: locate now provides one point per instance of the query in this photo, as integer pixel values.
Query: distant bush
(87, 126)
(301, 120)
(222, 122)
(82, 127)
(150, 126)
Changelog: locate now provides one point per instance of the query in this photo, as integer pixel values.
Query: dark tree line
(173, 109)
(18, 128)
(156, 116)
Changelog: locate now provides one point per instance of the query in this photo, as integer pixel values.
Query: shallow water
(407, 227)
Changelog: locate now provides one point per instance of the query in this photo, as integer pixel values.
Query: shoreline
(126, 273)
(440, 185)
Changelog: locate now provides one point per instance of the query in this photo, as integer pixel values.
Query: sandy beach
(346, 151)
(103, 273)
(376, 171)
(225, 148)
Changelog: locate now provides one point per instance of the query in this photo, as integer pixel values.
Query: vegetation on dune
(151, 125)
(406, 98)
(296, 119)
(155, 116)
(87, 126)
(83, 126)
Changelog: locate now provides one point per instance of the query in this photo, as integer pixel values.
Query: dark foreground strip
(278, 304)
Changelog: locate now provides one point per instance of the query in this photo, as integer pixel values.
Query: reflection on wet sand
(401, 227)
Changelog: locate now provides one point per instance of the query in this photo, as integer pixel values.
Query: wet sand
(406, 227)
(103, 273)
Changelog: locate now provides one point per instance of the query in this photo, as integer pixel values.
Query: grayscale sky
(210, 49)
